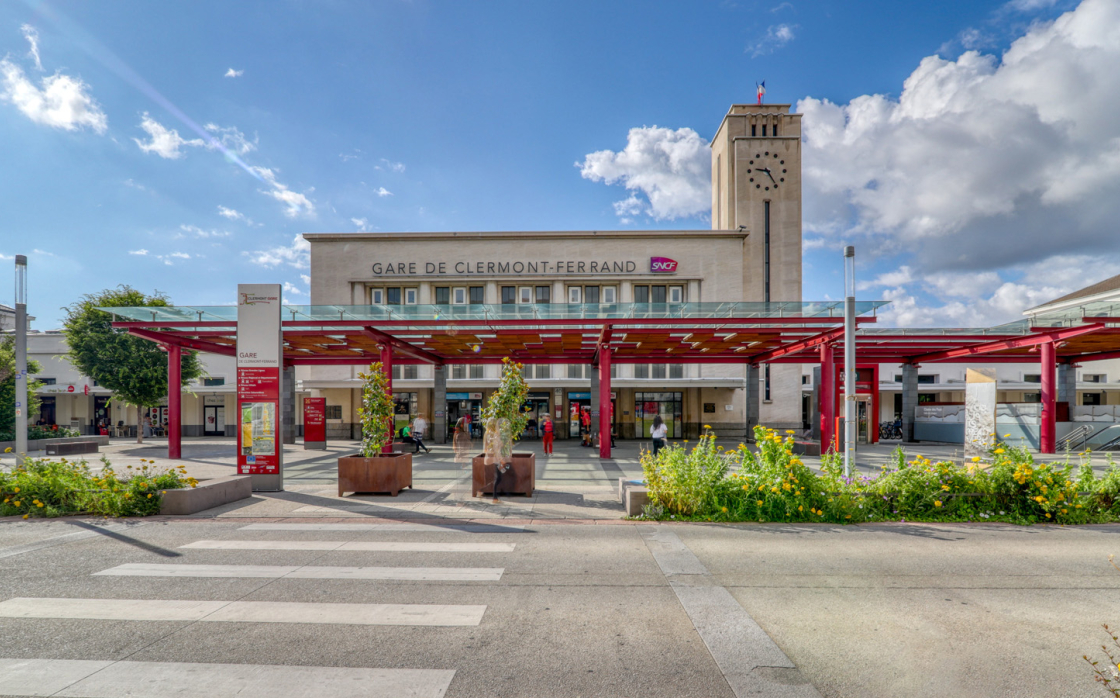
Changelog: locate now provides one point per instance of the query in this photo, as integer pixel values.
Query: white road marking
(364, 546)
(442, 574)
(401, 527)
(244, 611)
(96, 679)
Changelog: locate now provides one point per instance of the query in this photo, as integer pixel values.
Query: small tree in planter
(505, 422)
(375, 470)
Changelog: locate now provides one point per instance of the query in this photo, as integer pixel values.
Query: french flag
(760, 87)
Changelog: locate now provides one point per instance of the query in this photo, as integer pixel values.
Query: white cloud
(234, 215)
(140, 252)
(180, 255)
(230, 138)
(61, 101)
(297, 254)
(898, 277)
(32, 35)
(164, 142)
(389, 165)
(306, 278)
(981, 163)
(361, 223)
(200, 233)
(347, 157)
(296, 203)
(1030, 5)
(291, 288)
(231, 73)
(777, 36)
(671, 168)
(382, 191)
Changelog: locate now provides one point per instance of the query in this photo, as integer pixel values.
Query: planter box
(521, 478)
(70, 448)
(637, 498)
(208, 494)
(386, 472)
(41, 444)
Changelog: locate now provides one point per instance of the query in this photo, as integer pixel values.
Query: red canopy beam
(180, 341)
(1032, 340)
(803, 345)
(402, 346)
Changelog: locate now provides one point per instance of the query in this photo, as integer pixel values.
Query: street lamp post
(849, 359)
(21, 358)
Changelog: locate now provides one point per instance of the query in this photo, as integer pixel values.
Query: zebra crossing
(104, 678)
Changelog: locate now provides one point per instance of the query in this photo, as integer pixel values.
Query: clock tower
(756, 184)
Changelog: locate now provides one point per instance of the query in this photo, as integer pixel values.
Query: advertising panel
(315, 422)
(259, 363)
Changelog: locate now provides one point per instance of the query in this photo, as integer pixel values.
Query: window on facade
(754, 130)
(575, 370)
(806, 380)
(590, 294)
(443, 295)
(676, 294)
(1027, 378)
(610, 294)
(396, 372)
(458, 371)
(410, 372)
(676, 370)
(334, 412)
(927, 379)
(1032, 397)
(478, 295)
(544, 294)
(657, 294)
(575, 294)
(764, 130)
(392, 296)
(477, 370)
(525, 294)
(208, 382)
(509, 295)
(641, 370)
(377, 296)
(410, 296)
(47, 381)
(898, 378)
(775, 130)
(543, 371)
(641, 294)
(1092, 399)
(657, 371)
(927, 397)
(1095, 377)
(459, 295)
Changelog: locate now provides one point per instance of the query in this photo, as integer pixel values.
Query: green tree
(8, 389)
(135, 369)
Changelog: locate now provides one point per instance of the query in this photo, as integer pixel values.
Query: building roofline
(522, 234)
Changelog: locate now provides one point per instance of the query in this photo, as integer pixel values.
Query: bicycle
(889, 431)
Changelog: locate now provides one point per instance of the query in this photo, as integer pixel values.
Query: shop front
(405, 409)
(535, 408)
(466, 406)
(214, 415)
(579, 414)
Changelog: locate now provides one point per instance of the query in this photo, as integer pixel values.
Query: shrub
(376, 410)
(43, 487)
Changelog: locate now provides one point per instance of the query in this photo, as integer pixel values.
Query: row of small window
(754, 130)
(541, 371)
(476, 295)
(1027, 378)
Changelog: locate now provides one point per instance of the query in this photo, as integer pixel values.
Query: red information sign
(314, 419)
(258, 421)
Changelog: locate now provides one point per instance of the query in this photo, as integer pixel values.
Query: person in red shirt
(547, 434)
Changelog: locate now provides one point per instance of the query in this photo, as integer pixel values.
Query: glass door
(668, 406)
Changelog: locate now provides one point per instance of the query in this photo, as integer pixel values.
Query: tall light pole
(21, 358)
(849, 359)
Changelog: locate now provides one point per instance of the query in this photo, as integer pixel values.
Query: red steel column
(387, 369)
(827, 396)
(174, 402)
(604, 402)
(1047, 426)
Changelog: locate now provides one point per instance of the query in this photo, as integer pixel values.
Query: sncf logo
(662, 265)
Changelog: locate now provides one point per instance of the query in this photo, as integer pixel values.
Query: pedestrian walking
(461, 442)
(548, 434)
(418, 427)
(657, 432)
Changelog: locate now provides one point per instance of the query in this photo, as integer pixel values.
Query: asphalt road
(334, 606)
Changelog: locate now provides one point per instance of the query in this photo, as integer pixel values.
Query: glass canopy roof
(489, 313)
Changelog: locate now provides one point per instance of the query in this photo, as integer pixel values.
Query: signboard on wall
(260, 452)
(315, 423)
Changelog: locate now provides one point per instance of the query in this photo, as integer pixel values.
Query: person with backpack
(406, 434)
(547, 430)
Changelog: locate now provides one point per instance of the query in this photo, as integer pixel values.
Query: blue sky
(183, 146)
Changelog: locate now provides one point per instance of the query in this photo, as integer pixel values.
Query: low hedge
(45, 487)
(771, 484)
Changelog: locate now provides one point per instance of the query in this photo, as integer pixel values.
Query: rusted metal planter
(385, 472)
(521, 478)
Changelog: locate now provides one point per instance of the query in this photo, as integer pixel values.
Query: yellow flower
(16, 490)
(976, 459)
(937, 503)
(945, 487)
(801, 508)
(747, 487)
(39, 504)
(25, 516)
(16, 502)
(998, 450)
(707, 426)
(1047, 516)
(790, 431)
(1007, 436)
(723, 509)
(760, 502)
(149, 496)
(8, 449)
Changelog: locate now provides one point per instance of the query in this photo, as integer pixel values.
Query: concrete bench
(208, 494)
(637, 497)
(71, 448)
(624, 484)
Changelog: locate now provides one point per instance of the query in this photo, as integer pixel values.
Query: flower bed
(44, 487)
(709, 484)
